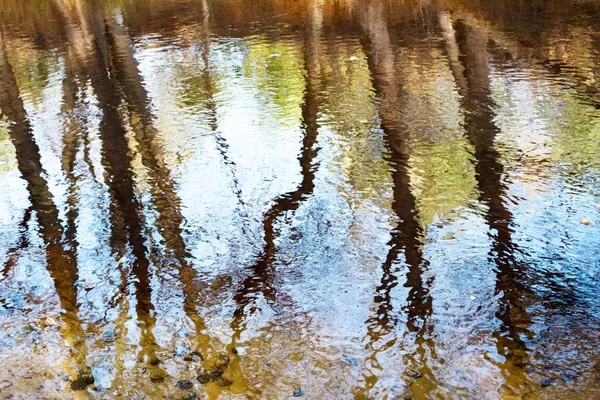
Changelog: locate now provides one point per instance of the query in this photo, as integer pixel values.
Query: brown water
(331, 199)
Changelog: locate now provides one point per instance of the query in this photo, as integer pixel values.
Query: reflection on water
(350, 199)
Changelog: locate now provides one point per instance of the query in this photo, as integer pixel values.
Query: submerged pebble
(184, 384)
(79, 384)
(203, 378)
(157, 376)
(85, 378)
(154, 361)
(194, 356)
(223, 382)
(547, 382)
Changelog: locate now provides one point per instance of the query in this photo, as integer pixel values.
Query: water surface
(339, 199)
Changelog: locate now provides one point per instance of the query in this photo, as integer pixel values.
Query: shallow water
(328, 199)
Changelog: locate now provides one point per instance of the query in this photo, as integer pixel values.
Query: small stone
(472, 297)
(519, 353)
(51, 321)
(158, 376)
(184, 384)
(518, 362)
(547, 382)
(223, 382)
(190, 396)
(86, 375)
(85, 378)
(215, 375)
(79, 384)
(585, 222)
(203, 378)
(154, 361)
(298, 392)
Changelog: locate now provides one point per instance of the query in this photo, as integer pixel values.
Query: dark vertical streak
(164, 195)
(87, 38)
(481, 132)
(22, 242)
(60, 256)
(71, 143)
(407, 236)
(260, 280)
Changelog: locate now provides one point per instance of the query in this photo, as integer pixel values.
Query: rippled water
(270, 199)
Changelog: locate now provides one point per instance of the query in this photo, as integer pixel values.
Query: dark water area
(348, 199)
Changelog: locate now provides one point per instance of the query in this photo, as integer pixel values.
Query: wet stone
(519, 362)
(154, 361)
(203, 378)
(189, 396)
(519, 353)
(184, 384)
(215, 375)
(298, 393)
(79, 384)
(222, 382)
(193, 356)
(157, 376)
(547, 382)
(86, 374)
(85, 378)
